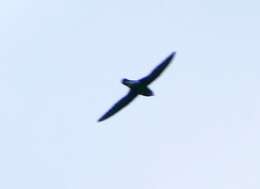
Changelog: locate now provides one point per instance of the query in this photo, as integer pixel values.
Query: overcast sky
(61, 63)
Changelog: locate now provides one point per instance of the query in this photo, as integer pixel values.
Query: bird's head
(125, 81)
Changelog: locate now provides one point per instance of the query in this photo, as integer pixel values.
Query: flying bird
(138, 87)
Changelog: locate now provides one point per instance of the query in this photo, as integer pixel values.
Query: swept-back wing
(158, 70)
(119, 105)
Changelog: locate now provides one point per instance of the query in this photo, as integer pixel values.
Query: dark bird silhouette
(138, 87)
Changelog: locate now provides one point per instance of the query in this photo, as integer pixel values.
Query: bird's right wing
(119, 105)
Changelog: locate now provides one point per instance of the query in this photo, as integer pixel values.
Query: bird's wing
(158, 70)
(119, 105)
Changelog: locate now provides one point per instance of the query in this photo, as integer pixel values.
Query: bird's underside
(139, 87)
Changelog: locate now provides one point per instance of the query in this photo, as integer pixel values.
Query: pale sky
(61, 63)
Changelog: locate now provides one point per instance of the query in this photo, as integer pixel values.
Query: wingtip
(170, 57)
(100, 119)
(173, 54)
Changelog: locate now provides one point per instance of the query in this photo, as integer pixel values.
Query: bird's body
(138, 87)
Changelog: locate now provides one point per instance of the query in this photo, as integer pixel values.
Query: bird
(138, 87)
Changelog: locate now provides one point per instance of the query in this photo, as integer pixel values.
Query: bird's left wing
(119, 105)
(158, 70)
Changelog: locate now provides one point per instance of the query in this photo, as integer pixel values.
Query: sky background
(61, 63)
